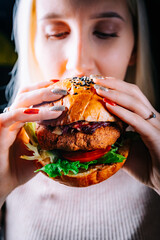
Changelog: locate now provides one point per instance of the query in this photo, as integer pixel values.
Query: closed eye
(103, 35)
(60, 35)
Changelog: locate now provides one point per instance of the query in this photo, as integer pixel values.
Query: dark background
(6, 7)
(6, 47)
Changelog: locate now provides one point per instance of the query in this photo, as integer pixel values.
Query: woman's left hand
(126, 101)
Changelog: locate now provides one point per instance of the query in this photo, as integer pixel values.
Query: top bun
(82, 102)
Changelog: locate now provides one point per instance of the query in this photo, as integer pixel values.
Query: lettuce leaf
(58, 165)
(33, 149)
(40, 154)
(62, 166)
(111, 157)
(30, 128)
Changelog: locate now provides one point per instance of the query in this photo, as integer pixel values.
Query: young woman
(64, 38)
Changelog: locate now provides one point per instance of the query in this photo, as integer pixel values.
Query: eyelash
(104, 36)
(60, 35)
(98, 34)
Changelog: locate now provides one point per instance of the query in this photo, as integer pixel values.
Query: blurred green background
(7, 54)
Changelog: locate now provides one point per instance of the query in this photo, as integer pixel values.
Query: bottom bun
(95, 174)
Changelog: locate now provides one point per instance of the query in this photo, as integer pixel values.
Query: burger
(85, 145)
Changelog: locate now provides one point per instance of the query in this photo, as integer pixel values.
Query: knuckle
(13, 115)
(135, 89)
(2, 122)
(115, 95)
(135, 120)
(20, 98)
(23, 90)
(42, 94)
(134, 104)
(8, 119)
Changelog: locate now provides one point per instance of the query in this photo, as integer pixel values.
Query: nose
(80, 59)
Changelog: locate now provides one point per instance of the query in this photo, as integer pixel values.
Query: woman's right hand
(15, 171)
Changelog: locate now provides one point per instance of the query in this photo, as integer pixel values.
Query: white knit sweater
(120, 208)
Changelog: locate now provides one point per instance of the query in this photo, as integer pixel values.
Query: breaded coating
(100, 139)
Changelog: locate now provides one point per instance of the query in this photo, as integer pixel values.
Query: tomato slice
(84, 156)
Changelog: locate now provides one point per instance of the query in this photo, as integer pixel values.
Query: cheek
(50, 60)
(114, 65)
(115, 59)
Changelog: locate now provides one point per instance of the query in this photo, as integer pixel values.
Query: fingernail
(110, 78)
(54, 80)
(109, 102)
(96, 86)
(57, 108)
(59, 91)
(96, 77)
(31, 111)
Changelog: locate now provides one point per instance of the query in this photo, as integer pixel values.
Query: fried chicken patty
(73, 141)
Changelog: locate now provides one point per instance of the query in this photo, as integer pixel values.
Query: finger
(143, 127)
(126, 101)
(130, 103)
(36, 97)
(22, 115)
(16, 126)
(125, 87)
(38, 85)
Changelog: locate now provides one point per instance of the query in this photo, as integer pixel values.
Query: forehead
(68, 7)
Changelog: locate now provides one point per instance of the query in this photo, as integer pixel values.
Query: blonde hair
(141, 74)
(26, 69)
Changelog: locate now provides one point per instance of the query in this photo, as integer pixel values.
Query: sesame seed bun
(82, 102)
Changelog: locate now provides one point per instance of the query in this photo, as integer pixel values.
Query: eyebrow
(107, 15)
(95, 16)
(50, 16)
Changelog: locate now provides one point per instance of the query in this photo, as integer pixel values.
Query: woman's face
(83, 38)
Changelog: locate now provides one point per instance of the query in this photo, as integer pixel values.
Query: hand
(14, 170)
(127, 102)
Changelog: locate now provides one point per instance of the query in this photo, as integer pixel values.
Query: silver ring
(6, 109)
(152, 115)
